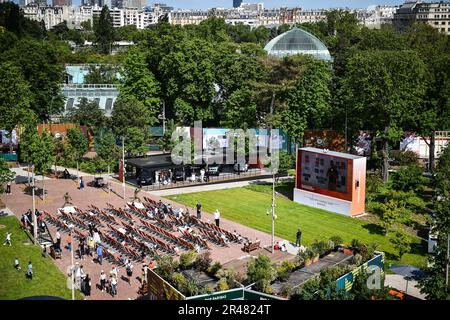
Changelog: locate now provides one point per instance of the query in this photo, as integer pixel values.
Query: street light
(123, 169)
(272, 211)
(33, 207)
(72, 272)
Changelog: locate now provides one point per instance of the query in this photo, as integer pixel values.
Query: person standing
(58, 241)
(17, 264)
(81, 183)
(82, 248)
(199, 210)
(113, 282)
(100, 254)
(87, 286)
(298, 239)
(8, 239)
(129, 269)
(217, 217)
(30, 271)
(8, 187)
(102, 280)
(67, 199)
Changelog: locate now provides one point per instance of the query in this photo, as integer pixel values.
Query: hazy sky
(307, 4)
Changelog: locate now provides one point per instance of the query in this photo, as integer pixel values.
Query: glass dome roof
(297, 41)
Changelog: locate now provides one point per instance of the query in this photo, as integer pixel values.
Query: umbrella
(408, 272)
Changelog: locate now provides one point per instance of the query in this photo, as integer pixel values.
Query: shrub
(261, 272)
(357, 259)
(214, 268)
(286, 290)
(407, 158)
(408, 178)
(166, 266)
(203, 261)
(179, 281)
(284, 270)
(187, 259)
(222, 285)
(337, 240)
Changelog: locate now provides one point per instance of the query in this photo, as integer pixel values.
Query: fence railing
(223, 177)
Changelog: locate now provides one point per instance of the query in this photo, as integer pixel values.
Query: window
(97, 101)
(69, 104)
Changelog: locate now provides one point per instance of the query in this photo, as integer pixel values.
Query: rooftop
(297, 41)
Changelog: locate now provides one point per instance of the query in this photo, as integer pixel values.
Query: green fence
(9, 156)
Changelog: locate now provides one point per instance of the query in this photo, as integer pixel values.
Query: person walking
(129, 269)
(100, 254)
(102, 281)
(91, 246)
(298, 239)
(8, 239)
(30, 271)
(67, 199)
(69, 241)
(81, 183)
(82, 248)
(17, 264)
(199, 210)
(57, 245)
(217, 217)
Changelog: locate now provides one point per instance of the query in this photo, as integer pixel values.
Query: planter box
(348, 251)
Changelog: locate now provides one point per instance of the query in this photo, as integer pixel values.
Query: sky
(306, 4)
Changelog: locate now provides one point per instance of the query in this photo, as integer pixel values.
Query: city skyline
(306, 4)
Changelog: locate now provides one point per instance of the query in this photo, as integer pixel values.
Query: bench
(248, 247)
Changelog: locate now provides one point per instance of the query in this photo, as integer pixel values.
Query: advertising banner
(160, 289)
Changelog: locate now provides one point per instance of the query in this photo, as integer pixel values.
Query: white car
(242, 167)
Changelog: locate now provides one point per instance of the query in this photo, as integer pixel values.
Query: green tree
(308, 100)
(389, 214)
(135, 141)
(380, 88)
(240, 110)
(261, 272)
(41, 69)
(14, 98)
(101, 74)
(433, 285)
(139, 83)
(87, 113)
(401, 243)
(129, 113)
(77, 145)
(408, 178)
(107, 148)
(40, 153)
(165, 142)
(104, 31)
(6, 175)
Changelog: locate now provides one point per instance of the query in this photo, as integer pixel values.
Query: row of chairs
(195, 238)
(175, 220)
(213, 237)
(89, 218)
(68, 217)
(161, 232)
(162, 245)
(165, 224)
(213, 227)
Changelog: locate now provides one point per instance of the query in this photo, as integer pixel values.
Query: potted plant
(309, 254)
(337, 241)
(315, 256)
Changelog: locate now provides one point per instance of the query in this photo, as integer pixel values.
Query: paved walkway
(20, 201)
(398, 282)
(208, 187)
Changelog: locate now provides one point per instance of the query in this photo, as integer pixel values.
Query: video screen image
(323, 172)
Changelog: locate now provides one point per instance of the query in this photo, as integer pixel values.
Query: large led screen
(324, 174)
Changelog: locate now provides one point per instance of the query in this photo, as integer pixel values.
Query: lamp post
(72, 272)
(33, 206)
(123, 169)
(273, 211)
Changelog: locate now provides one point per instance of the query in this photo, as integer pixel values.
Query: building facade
(435, 14)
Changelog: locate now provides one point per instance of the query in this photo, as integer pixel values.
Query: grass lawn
(48, 280)
(248, 206)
